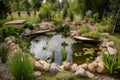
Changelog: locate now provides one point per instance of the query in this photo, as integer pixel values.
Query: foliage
(65, 75)
(88, 51)
(64, 54)
(30, 26)
(37, 4)
(4, 9)
(112, 63)
(21, 67)
(45, 11)
(4, 54)
(93, 34)
(65, 12)
(84, 29)
(10, 31)
(3, 21)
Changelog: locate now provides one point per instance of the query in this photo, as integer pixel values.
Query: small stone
(9, 42)
(100, 68)
(89, 74)
(27, 31)
(46, 67)
(110, 44)
(12, 44)
(7, 39)
(84, 66)
(38, 66)
(92, 66)
(112, 51)
(37, 73)
(42, 62)
(54, 68)
(66, 65)
(80, 72)
(73, 67)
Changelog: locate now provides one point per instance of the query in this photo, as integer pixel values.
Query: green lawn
(116, 39)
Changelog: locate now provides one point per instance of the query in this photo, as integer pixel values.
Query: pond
(48, 47)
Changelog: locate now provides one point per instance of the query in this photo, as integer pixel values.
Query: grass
(29, 19)
(116, 38)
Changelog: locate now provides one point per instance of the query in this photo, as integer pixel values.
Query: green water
(43, 46)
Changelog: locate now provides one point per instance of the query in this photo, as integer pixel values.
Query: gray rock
(54, 68)
(112, 51)
(100, 67)
(73, 67)
(84, 66)
(7, 39)
(9, 42)
(27, 31)
(80, 72)
(110, 44)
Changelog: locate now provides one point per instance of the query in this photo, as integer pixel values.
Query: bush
(30, 26)
(112, 63)
(21, 67)
(4, 54)
(64, 75)
(10, 31)
(93, 34)
(84, 29)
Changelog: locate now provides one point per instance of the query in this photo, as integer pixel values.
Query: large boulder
(112, 51)
(80, 72)
(37, 73)
(74, 67)
(54, 68)
(89, 74)
(38, 66)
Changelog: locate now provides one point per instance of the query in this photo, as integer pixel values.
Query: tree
(36, 4)
(4, 9)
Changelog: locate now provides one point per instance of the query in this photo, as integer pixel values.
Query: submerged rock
(54, 68)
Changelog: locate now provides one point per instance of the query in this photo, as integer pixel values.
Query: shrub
(10, 31)
(84, 29)
(93, 34)
(64, 54)
(112, 63)
(30, 26)
(4, 54)
(65, 75)
(21, 67)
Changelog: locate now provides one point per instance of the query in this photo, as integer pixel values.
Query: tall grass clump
(4, 54)
(21, 66)
(112, 63)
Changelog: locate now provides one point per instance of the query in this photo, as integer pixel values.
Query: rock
(13, 48)
(46, 67)
(73, 67)
(7, 39)
(54, 68)
(100, 68)
(84, 66)
(37, 73)
(89, 74)
(12, 44)
(62, 67)
(66, 65)
(42, 62)
(9, 42)
(92, 66)
(38, 66)
(80, 72)
(110, 44)
(112, 51)
(27, 31)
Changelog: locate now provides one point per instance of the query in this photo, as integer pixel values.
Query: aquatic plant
(4, 54)
(88, 51)
(21, 67)
(111, 62)
(64, 54)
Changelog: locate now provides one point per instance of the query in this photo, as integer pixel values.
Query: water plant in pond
(3, 54)
(111, 62)
(64, 54)
(88, 51)
(21, 67)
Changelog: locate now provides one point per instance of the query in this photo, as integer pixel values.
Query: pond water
(48, 47)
